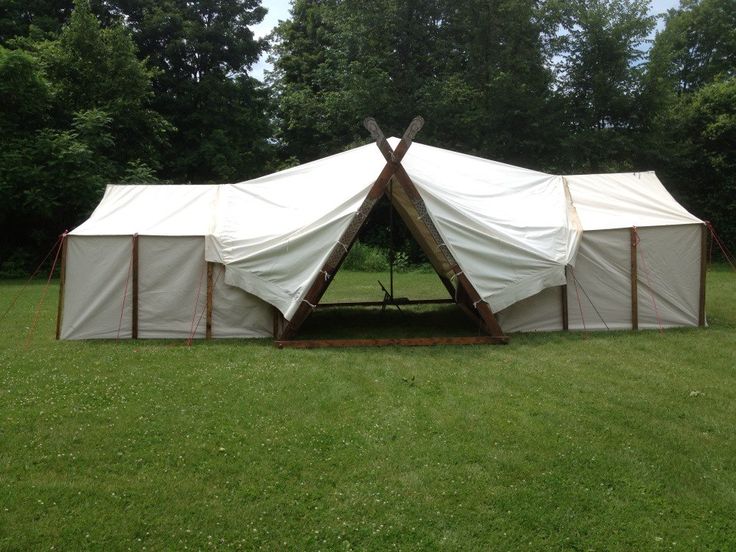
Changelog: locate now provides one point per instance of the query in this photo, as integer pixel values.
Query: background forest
(101, 91)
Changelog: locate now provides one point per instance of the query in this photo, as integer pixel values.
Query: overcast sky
(279, 10)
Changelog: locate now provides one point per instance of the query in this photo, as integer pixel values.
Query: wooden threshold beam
(388, 342)
(381, 303)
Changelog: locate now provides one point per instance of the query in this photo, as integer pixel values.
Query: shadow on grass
(371, 323)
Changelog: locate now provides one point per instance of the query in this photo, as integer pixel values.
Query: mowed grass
(610, 441)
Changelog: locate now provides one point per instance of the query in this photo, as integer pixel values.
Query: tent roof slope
(511, 230)
(623, 200)
(276, 232)
(152, 210)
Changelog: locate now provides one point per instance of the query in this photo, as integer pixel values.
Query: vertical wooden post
(634, 279)
(210, 291)
(703, 273)
(62, 282)
(565, 315)
(134, 332)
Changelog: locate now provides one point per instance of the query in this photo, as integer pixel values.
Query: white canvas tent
(244, 260)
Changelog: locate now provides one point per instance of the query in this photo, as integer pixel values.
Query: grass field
(616, 441)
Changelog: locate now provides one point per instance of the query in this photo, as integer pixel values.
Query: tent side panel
(173, 287)
(539, 313)
(599, 286)
(97, 268)
(669, 275)
(236, 313)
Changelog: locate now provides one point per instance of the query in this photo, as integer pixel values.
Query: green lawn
(610, 441)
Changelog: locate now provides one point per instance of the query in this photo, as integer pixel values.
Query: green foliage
(75, 115)
(692, 75)
(201, 52)
(366, 258)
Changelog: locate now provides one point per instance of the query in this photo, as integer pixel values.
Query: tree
(23, 17)
(202, 51)
(75, 115)
(692, 77)
(599, 80)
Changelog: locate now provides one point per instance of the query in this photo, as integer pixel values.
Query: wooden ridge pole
(703, 274)
(634, 279)
(340, 250)
(134, 333)
(62, 284)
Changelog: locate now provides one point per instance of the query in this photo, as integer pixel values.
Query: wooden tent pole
(62, 285)
(565, 313)
(478, 304)
(134, 332)
(634, 279)
(210, 293)
(703, 274)
(340, 250)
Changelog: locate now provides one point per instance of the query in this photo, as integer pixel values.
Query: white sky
(279, 10)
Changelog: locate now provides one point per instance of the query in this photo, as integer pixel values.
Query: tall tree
(22, 17)
(75, 115)
(599, 79)
(692, 82)
(202, 51)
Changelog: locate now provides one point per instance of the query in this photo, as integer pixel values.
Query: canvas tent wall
(511, 231)
(168, 224)
(621, 213)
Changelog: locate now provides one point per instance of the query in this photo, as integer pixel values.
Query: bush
(366, 258)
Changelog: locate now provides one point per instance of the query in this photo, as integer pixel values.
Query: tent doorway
(394, 184)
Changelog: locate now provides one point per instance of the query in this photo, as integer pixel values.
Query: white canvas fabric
(275, 233)
(512, 232)
(623, 200)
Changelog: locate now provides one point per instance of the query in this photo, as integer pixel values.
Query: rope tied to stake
(58, 246)
(34, 274)
(730, 259)
(327, 275)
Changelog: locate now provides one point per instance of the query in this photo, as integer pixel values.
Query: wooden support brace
(634, 279)
(703, 274)
(134, 331)
(340, 250)
(62, 285)
(210, 297)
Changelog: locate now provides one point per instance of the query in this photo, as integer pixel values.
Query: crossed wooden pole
(465, 295)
